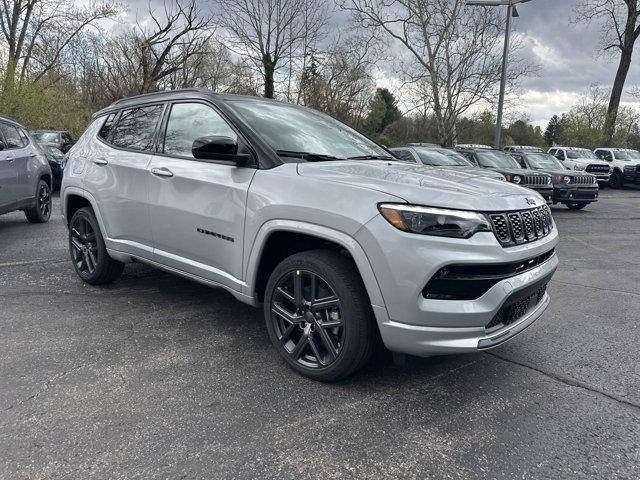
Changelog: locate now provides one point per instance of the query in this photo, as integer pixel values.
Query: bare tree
(453, 53)
(620, 24)
(37, 32)
(272, 32)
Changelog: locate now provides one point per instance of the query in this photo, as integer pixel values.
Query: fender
(342, 239)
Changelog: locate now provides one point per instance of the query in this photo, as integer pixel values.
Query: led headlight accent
(434, 221)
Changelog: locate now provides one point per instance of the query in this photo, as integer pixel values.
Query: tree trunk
(269, 72)
(616, 95)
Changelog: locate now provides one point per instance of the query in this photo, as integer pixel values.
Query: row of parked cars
(340, 242)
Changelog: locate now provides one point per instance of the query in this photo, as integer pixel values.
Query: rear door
(8, 177)
(197, 207)
(19, 154)
(118, 179)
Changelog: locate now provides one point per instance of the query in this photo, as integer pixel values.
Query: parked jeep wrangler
(625, 165)
(288, 209)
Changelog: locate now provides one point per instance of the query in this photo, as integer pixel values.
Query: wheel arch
(279, 239)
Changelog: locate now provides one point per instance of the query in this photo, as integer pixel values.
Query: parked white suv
(625, 164)
(583, 160)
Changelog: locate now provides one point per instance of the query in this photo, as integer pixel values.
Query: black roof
(171, 95)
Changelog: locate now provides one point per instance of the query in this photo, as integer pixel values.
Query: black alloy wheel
(41, 212)
(84, 250)
(617, 180)
(88, 251)
(307, 318)
(318, 315)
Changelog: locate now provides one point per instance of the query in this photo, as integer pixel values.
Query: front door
(7, 178)
(197, 208)
(19, 154)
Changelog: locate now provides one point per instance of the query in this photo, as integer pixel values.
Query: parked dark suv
(574, 189)
(505, 164)
(61, 140)
(25, 176)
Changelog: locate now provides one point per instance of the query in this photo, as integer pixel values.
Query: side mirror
(224, 149)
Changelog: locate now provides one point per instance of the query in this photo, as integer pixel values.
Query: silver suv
(288, 209)
(25, 176)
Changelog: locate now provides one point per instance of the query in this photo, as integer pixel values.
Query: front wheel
(41, 212)
(616, 181)
(318, 315)
(576, 206)
(88, 251)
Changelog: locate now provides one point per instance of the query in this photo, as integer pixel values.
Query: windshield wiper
(309, 157)
(372, 157)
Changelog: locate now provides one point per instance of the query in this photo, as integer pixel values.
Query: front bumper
(632, 177)
(546, 192)
(570, 194)
(602, 177)
(410, 323)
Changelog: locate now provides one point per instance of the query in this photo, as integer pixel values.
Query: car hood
(518, 171)
(421, 185)
(591, 161)
(483, 172)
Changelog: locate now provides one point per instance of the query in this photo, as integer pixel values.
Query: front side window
(190, 121)
(490, 159)
(288, 128)
(136, 128)
(404, 155)
(12, 137)
(107, 127)
(623, 155)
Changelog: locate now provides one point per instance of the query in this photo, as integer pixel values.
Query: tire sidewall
(101, 250)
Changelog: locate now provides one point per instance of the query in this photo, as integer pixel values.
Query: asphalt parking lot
(159, 377)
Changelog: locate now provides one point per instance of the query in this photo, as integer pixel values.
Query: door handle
(162, 172)
(100, 161)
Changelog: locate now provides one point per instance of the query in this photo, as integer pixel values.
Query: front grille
(517, 309)
(516, 228)
(582, 180)
(536, 180)
(598, 169)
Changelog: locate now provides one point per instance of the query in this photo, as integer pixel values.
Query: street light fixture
(511, 12)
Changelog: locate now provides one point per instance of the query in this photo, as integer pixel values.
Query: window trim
(162, 133)
(18, 129)
(116, 120)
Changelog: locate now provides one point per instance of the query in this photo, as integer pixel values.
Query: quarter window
(136, 128)
(107, 127)
(405, 155)
(190, 121)
(12, 137)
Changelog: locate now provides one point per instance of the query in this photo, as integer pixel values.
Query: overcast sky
(565, 51)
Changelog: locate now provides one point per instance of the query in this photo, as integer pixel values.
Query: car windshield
(452, 156)
(543, 161)
(627, 155)
(46, 137)
(582, 153)
(290, 129)
(495, 159)
(437, 158)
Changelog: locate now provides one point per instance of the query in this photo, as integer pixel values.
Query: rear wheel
(318, 315)
(576, 206)
(88, 251)
(616, 180)
(41, 212)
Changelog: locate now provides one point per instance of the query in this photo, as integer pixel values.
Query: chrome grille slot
(515, 228)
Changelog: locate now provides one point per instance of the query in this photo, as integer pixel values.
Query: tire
(89, 255)
(576, 206)
(616, 181)
(344, 303)
(41, 212)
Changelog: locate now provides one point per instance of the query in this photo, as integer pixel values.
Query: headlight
(549, 180)
(517, 179)
(580, 167)
(567, 180)
(434, 221)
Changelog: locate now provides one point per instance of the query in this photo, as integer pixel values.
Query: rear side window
(190, 121)
(107, 127)
(13, 137)
(136, 128)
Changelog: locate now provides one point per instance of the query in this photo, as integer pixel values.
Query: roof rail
(161, 92)
(473, 145)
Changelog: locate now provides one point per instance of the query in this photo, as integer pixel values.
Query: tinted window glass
(23, 136)
(12, 137)
(404, 155)
(190, 121)
(496, 159)
(136, 128)
(438, 158)
(46, 137)
(107, 127)
(67, 137)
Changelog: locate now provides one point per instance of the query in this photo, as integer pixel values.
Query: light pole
(511, 12)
